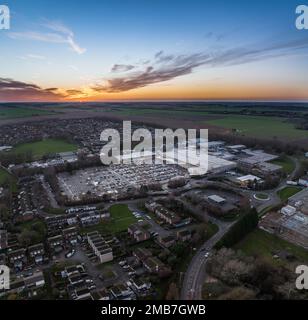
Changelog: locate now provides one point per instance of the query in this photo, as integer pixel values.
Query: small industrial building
(217, 199)
(244, 181)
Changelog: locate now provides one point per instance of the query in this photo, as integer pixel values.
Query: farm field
(260, 127)
(266, 127)
(18, 112)
(149, 112)
(265, 245)
(40, 148)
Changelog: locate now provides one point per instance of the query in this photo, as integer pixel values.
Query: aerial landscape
(73, 227)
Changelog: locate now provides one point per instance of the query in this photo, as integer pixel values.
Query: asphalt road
(195, 275)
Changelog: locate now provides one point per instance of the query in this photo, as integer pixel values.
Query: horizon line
(164, 100)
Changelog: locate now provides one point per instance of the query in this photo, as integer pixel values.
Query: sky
(153, 50)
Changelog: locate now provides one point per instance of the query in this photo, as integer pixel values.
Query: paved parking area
(115, 178)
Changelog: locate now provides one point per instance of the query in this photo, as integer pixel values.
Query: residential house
(36, 253)
(101, 249)
(35, 281)
(17, 258)
(120, 291)
(82, 293)
(70, 235)
(56, 222)
(154, 265)
(183, 235)
(56, 243)
(163, 213)
(167, 241)
(89, 218)
(142, 253)
(100, 295)
(140, 285)
(71, 219)
(138, 232)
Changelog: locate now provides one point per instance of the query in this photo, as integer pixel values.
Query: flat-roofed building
(217, 199)
(244, 181)
(99, 246)
(288, 210)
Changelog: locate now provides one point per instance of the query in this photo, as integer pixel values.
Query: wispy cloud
(31, 56)
(58, 26)
(165, 67)
(60, 34)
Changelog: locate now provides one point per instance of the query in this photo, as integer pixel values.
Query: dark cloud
(122, 67)
(167, 67)
(12, 90)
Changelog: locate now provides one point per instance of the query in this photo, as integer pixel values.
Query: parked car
(70, 254)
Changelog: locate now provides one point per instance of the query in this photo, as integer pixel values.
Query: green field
(19, 112)
(264, 245)
(4, 176)
(288, 192)
(159, 112)
(41, 148)
(254, 126)
(286, 163)
(120, 219)
(260, 127)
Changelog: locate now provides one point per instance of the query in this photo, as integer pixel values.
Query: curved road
(195, 274)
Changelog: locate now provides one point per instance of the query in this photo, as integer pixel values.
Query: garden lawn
(288, 192)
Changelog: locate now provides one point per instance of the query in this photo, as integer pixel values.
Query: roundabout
(261, 196)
